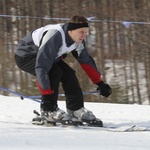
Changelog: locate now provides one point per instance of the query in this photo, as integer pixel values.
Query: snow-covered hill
(16, 131)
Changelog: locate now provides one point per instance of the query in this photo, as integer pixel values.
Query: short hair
(78, 19)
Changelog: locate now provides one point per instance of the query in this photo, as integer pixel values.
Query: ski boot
(49, 118)
(86, 117)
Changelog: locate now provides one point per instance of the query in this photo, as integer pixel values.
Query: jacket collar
(69, 41)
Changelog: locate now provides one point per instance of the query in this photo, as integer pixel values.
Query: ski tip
(36, 112)
(22, 98)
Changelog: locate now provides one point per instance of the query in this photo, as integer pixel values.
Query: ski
(129, 128)
(84, 125)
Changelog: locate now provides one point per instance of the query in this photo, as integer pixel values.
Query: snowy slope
(17, 133)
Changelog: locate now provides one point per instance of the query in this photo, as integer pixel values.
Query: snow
(17, 132)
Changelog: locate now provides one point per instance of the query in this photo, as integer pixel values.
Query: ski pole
(34, 98)
(84, 93)
(20, 95)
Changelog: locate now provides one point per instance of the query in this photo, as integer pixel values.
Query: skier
(41, 54)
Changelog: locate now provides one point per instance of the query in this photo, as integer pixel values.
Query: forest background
(118, 40)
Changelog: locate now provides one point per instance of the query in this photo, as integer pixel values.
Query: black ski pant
(59, 73)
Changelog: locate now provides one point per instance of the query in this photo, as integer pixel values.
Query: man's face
(79, 34)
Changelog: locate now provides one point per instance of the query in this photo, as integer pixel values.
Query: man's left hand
(105, 89)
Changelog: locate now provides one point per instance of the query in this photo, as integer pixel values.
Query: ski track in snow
(17, 132)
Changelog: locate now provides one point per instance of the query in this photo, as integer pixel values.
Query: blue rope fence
(91, 19)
